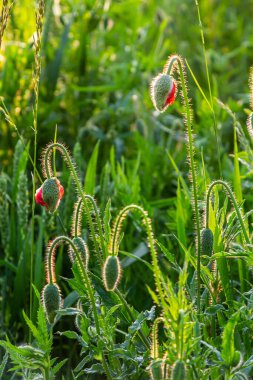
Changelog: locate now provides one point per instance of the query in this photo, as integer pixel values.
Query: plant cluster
(200, 323)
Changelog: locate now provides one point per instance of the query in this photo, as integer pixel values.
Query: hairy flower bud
(111, 273)
(51, 299)
(163, 91)
(50, 194)
(206, 242)
(82, 248)
(178, 371)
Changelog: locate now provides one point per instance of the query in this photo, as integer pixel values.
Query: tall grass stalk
(232, 197)
(209, 87)
(39, 15)
(176, 62)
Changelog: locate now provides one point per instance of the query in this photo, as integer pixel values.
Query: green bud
(156, 369)
(178, 371)
(206, 242)
(51, 299)
(82, 248)
(163, 91)
(111, 273)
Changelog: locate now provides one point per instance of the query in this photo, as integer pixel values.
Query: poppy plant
(50, 194)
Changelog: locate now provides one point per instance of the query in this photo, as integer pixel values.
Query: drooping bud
(163, 91)
(111, 273)
(206, 242)
(178, 371)
(52, 301)
(82, 248)
(50, 194)
(156, 369)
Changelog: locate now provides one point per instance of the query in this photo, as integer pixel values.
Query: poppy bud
(50, 194)
(82, 248)
(163, 91)
(111, 273)
(206, 242)
(51, 299)
(178, 371)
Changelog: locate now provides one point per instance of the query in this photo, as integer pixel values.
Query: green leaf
(228, 345)
(3, 364)
(90, 178)
(58, 366)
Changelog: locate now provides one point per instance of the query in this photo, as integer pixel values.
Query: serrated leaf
(228, 345)
(90, 177)
(58, 366)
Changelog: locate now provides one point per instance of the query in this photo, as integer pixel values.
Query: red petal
(60, 188)
(39, 198)
(172, 95)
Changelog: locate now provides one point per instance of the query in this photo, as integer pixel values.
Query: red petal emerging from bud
(61, 189)
(172, 95)
(50, 194)
(39, 198)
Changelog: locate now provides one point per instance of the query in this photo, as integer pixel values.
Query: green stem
(78, 218)
(50, 266)
(169, 67)
(155, 343)
(234, 202)
(209, 87)
(106, 368)
(150, 237)
(48, 172)
(140, 333)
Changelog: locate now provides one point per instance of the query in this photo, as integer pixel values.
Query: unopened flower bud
(111, 273)
(163, 91)
(50, 194)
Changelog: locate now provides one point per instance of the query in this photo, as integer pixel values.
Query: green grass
(173, 313)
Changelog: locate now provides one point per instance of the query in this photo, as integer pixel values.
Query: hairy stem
(77, 222)
(176, 62)
(48, 173)
(114, 244)
(51, 273)
(234, 202)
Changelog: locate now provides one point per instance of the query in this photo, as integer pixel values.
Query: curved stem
(48, 173)
(155, 343)
(114, 244)
(51, 279)
(78, 218)
(234, 202)
(173, 61)
(140, 333)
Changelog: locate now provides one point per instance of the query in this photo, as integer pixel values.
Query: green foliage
(87, 70)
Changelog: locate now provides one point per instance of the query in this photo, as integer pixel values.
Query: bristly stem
(48, 173)
(51, 278)
(114, 244)
(154, 343)
(209, 88)
(39, 16)
(172, 63)
(234, 202)
(77, 223)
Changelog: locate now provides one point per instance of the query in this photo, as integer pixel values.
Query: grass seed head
(111, 273)
(52, 301)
